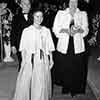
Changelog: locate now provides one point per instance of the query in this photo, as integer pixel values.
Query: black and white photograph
(49, 50)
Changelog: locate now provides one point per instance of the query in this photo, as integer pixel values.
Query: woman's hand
(51, 63)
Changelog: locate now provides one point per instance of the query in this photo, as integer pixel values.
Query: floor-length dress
(34, 79)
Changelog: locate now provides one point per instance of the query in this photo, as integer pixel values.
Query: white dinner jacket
(62, 20)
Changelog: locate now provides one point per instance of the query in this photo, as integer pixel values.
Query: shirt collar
(67, 10)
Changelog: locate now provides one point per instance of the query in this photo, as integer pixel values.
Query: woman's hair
(37, 7)
(37, 10)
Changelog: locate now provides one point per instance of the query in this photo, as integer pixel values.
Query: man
(20, 21)
(71, 27)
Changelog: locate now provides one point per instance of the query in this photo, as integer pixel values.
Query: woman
(70, 27)
(36, 46)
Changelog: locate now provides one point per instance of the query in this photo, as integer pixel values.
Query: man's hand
(64, 31)
(75, 30)
(80, 30)
(14, 50)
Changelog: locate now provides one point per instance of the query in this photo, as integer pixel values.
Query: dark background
(91, 7)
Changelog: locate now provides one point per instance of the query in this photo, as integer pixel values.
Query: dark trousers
(70, 70)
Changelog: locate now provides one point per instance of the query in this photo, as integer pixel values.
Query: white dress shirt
(62, 21)
(26, 16)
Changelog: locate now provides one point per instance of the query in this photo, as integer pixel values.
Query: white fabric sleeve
(50, 42)
(23, 40)
(57, 25)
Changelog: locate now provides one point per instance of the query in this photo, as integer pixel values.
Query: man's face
(73, 6)
(38, 17)
(25, 6)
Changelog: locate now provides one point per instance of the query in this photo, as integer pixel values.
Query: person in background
(36, 46)
(5, 31)
(71, 27)
(20, 21)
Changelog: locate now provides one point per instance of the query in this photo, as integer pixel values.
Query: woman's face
(38, 17)
(73, 6)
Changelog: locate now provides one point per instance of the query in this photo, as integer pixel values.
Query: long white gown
(34, 80)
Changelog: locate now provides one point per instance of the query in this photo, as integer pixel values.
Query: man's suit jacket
(18, 24)
(62, 21)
